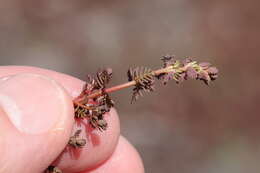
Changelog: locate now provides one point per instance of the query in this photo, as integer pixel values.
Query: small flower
(207, 73)
(203, 75)
(182, 77)
(213, 73)
(167, 77)
(168, 60)
(191, 73)
(187, 69)
(204, 65)
(186, 61)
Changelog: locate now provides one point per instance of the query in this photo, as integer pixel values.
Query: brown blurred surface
(188, 128)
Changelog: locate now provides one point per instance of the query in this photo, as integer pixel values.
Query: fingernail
(33, 103)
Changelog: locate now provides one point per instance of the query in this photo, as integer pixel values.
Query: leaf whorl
(168, 60)
(75, 140)
(94, 111)
(144, 78)
(96, 116)
(102, 78)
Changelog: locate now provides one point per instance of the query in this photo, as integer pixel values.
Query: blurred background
(187, 128)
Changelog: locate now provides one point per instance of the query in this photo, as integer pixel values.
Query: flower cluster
(94, 109)
(185, 69)
(173, 69)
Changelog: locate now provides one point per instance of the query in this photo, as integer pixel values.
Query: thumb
(36, 119)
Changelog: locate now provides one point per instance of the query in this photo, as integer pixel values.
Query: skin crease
(103, 149)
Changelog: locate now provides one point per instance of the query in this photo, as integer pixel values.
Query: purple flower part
(109, 71)
(167, 77)
(182, 77)
(204, 76)
(212, 70)
(204, 65)
(186, 61)
(167, 57)
(191, 73)
(168, 60)
(213, 77)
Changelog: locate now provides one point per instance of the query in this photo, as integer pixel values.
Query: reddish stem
(124, 85)
(112, 89)
(82, 98)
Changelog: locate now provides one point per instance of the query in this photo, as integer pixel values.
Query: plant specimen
(94, 100)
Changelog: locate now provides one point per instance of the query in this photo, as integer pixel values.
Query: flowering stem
(128, 84)
(112, 89)
(174, 68)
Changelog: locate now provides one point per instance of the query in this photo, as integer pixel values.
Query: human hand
(36, 121)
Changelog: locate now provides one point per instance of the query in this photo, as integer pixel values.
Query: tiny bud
(182, 77)
(204, 77)
(109, 71)
(191, 73)
(186, 61)
(168, 60)
(204, 65)
(213, 73)
(212, 70)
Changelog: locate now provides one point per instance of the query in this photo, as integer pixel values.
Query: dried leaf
(144, 79)
(102, 78)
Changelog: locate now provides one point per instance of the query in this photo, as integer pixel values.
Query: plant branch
(120, 86)
(143, 78)
(127, 84)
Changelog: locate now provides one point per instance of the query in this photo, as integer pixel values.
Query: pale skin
(42, 99)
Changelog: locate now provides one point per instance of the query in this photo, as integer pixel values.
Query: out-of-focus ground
(188, 128)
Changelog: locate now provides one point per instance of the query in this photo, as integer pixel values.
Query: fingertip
(71, 84)
(99, 146)
(125, 159)
(38, 131)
